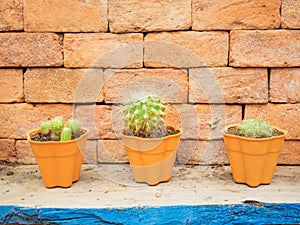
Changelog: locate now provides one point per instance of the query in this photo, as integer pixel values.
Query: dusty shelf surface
(112, 186)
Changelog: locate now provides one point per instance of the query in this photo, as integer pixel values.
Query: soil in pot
(235, 131)
(40, 137)
(161, 133)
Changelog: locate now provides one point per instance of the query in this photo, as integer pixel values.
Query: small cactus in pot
(145, 118)
(56, 131)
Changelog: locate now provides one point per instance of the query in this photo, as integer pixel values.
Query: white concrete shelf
(112, 186)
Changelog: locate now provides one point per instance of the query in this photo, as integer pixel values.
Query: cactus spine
(146, 118)
(255, 128)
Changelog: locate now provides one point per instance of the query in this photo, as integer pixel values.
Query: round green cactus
(74, 126)
(145, 118)
(66, 134)
(57, 124)
(45, 127)
(255, 128)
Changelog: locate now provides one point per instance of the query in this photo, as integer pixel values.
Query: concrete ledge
(108, 193)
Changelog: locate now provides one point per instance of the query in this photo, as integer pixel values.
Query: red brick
(186, 49)
(103, 50)
(149, 15)
(65, 16)
(17, 119)
(235, 14)
(265, 48)
(7, 150)
(290, 153)
(123, 85)
(111, 151)
(285, 85)
(63, 85)
(202, 152)
(285, 116)
(30, 49)
(290, 11)
(11, 82)
(11, 15)
(229, 85)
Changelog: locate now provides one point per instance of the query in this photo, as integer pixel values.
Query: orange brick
(202, 152)
(204, 122)
(63, 85)
(97, 119)
(17, 119)
(7, 150)
(186, 49)
(30, 49)
(235, 14)
(229, 85)
(285, 116)
(290, 153)
(290, 14)
(265, 48)
(149, 15)
(124, 85)
(24, 152)
(103, 50)
(65, 16)
(285, 85)
(111, 151)
(11, 15)
(11, 82)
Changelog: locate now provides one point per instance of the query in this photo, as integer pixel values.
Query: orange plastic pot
(253, 160)
(151, 160)
(59, 162)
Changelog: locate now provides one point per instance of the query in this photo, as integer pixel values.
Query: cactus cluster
(145, 118)
(57, 130)
(255, 129)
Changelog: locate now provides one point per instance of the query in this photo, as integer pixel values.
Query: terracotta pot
(152, 160)
(253, 160)
(59, 162)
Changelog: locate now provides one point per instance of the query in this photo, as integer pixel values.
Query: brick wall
(195, 54)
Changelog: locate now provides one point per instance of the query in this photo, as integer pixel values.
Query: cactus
(74, 125)
(66, 134)
(255, 128)
(45, 127)
(57, 124)
(146, 118)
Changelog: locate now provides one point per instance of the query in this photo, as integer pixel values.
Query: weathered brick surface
(11, 83)
(204, 122)
(97, 119)
(290, 11)
(202, 152)
(11, 15)
(24, 153)
(65, 16)
(17, 119)
(122, 85)
(30, 49)
(103, 50)
(90, 152)
(186, 49)
(268, 48)
(285, 116)
(111, 151)
(63, 85)
(7, 150)
(229, 85)
(290, 153)
(235, 14)
(149, 15)
(285, 85)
